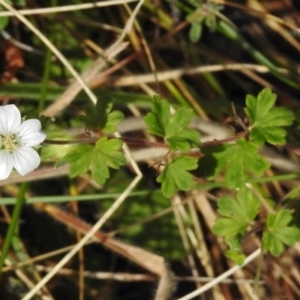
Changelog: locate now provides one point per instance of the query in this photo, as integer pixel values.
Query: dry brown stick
(166, 285)
(149, 261)
(145, 259)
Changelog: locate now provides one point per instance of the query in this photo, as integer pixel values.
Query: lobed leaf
(113, 119)
(237, 256)
(177, 122)
(79, 160)
(101, 117)
(265, 120)
(158, 119)
(258, 108)
(172, 127)
(175, 177)
(278, 232)
(240, 159)
(106, 153)
(109, 150)
(236, 214)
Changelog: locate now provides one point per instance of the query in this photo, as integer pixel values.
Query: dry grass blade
(83, 241)
(228, 273)
(130, 80)
(60, 9)
(72, 91)
(145, 259)
(68, 96)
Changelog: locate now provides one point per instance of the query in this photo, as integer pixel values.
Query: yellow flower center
(9, 142)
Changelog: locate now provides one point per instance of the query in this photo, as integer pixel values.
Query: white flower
(16, 142)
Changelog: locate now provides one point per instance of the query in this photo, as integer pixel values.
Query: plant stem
(94, 140)
(142, 142)
(13, 224)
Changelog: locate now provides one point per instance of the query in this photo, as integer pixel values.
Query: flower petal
(6, 164)
(10, 119)
(30, 133)
(25, 160)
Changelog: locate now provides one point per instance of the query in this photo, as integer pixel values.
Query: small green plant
(237, 160)
(236, 216)
(106, 152)
(204, 14)
(278, 232)
(168, 169)
(160, 122)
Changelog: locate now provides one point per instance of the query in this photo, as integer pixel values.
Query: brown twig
(143, 258)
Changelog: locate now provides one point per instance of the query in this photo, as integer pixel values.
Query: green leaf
(266, 121)
(106, 153)
(113, 119)
(236, 256)
(278, 232)
(235, 253)
(184, 140)
(236, 214)
(211, 22)
(234, 242)
(79, 160)
(175, 177)
(240, 159)
(3, 20)
(158, 119)
(172, 127)
(101, 117)
(109, 150)
(195, 31)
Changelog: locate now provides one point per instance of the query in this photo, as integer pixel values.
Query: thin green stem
(128, 140)
(47, 68)
(142, 142)
(13, 224)
(230, 32)
(45, 80)
(60, 198)
(258, 272)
